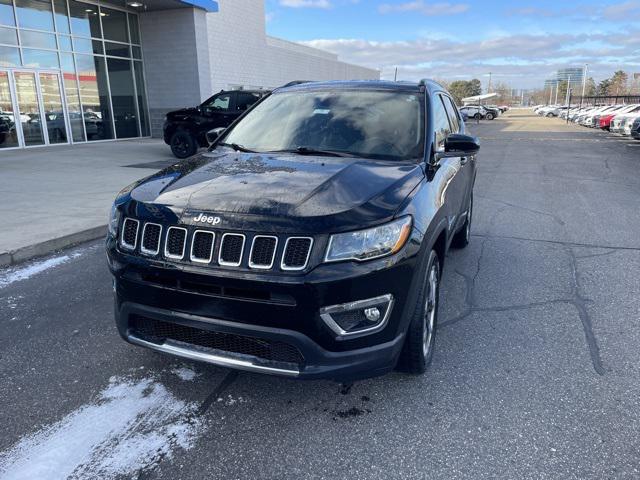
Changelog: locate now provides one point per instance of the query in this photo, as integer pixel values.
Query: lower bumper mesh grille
(275, 351)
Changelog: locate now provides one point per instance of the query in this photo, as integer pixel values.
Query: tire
(417, 352)
(183, 144)
(477, 116)
(489, 116)
(462, 238)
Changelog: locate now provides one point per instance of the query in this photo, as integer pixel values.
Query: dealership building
(76, 71)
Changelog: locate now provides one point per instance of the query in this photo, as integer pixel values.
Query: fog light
(362, 317)
(372, 314)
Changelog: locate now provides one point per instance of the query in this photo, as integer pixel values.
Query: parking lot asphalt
(536, 372)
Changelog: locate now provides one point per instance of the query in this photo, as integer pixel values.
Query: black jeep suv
(185, 130)
(309, 240)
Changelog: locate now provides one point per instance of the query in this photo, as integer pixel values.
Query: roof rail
(295, 82)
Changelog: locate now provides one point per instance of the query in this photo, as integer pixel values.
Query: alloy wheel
(430, 310)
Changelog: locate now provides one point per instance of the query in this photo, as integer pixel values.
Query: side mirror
(459, 145)
(212, 135)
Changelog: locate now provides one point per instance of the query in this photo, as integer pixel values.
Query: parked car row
(622, 119)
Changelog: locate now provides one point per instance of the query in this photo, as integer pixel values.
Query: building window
(85, 19)
(90, 79)
(114, 25)
(6, 13)
(35, 14)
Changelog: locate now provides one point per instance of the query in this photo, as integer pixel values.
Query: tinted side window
(220, 103)
(454, 119)
(441, 125)
(245, 100)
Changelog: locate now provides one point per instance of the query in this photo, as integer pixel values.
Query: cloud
(429, 9)
(523, 60)
(532, 12)
(306, 3)
(620, 11)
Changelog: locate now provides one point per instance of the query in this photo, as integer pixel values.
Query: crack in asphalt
(556, 242)
(575, 299)
(579, 302)
(526, 209)
(226, 382)
(556, 176)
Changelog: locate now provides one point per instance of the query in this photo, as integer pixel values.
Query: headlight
(371, 243)
(114, 219)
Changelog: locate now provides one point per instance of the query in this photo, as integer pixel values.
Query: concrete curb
(43, 248)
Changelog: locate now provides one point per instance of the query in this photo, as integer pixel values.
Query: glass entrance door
(32, 110)
(29, 108)
(53, 108)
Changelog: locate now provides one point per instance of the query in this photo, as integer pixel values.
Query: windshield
(372, 124)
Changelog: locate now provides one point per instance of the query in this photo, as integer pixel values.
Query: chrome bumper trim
(229, 362)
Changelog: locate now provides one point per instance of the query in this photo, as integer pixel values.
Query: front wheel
(417, 353)
(183, 144)
(489, 116)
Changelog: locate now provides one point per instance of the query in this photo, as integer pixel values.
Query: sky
(520, 42)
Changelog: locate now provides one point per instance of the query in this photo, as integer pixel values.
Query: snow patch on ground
(231, 400)
(131, 427)
(23, 273)
(185, 373)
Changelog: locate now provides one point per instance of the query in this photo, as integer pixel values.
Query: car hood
(183, 112)
(284, 191)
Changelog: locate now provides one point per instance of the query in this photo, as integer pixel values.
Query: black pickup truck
(185, 130)
(308, 241)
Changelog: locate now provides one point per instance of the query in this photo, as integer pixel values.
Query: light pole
(584, 83)
(489, 87)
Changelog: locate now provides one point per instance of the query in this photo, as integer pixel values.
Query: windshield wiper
(238, 148)
(314, 151)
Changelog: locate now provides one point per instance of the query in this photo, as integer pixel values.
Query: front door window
(221, 103)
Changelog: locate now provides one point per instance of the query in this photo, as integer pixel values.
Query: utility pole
(557, 88)
(550, 92)
(489, 88)
(566, 97)
(395, 77)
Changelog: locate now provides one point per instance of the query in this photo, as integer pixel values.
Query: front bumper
(318, 362)
(285, 309)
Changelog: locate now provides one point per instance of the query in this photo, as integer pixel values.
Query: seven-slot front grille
(129, 238)
(263, 251)
(199, 246)
(151, 234)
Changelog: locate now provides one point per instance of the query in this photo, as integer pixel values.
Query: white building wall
(247, 56)
(190, 54)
